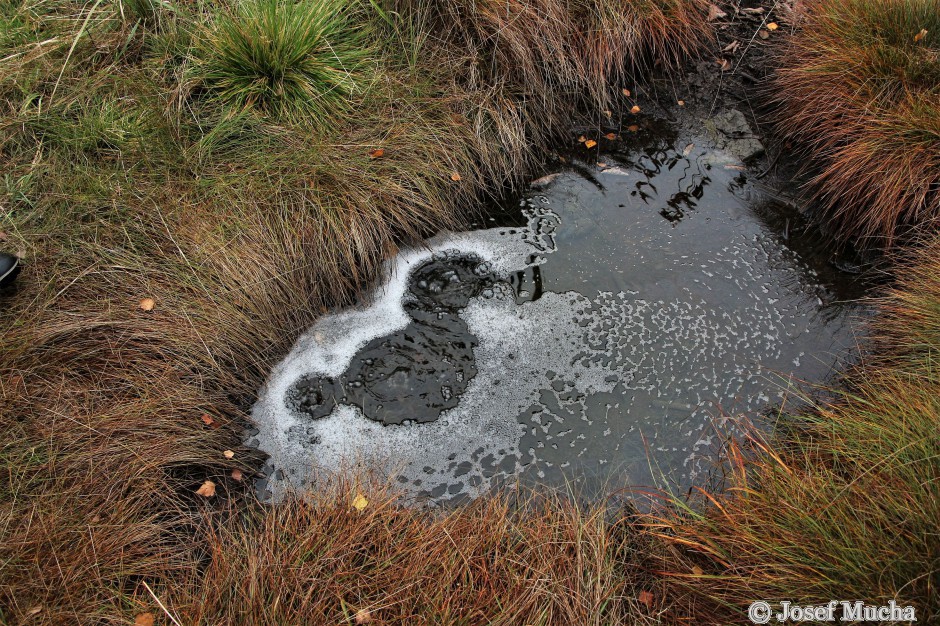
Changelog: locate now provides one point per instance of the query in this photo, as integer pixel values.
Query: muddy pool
(599, 333)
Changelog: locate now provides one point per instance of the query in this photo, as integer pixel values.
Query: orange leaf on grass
(144, 619)
(646, 598)
(772, 26)
(207, 490)
(920, 35)
(611, 136)
(147, 304)
(455, 177)
(376, 153)
(237, 475)
(228, 454)
(590, 143)
(635, 109)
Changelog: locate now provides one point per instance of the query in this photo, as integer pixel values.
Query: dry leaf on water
(635, 109)
(363, 617)
(920, 35)
(237, 474)
(646, 598)
(207, 490)
(455, 177)
(590, 143)
(144, 619)
(147, 304)
(688, 149)
(376, 153)
(228, 454)
(359, 502)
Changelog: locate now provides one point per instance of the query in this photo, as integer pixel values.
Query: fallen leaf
(731, 47)
(715, 13)
(376, 153)
(147, 304)
(611, 136)
(698, 571)
(724, 64)
(363, 617)
(34, 610)
(144, 619)
(601, 164)
(763, 34)
(753, 11)
(645, 597)
(635, 109)
(455, 177)
(626, 92)
(917, 37)
(608, 113)
(237, 475)
(228, 454)
(772, 26)
(208, 421)
(633, 128)
(688, 149)
(207, 490)
(681, 103)
(360, 503)
(582, 139)
(543, 181)
(590, 143)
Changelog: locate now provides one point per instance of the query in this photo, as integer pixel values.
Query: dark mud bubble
(419, 371)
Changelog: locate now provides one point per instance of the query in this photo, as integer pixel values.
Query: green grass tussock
(301, 61)
(859, 87)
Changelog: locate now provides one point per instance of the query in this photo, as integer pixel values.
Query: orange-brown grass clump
(179, 232)
(843, 502)
(859, 86)
(498, 560)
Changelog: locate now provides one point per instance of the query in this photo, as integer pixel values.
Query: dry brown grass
(857, 90)
(124, 184)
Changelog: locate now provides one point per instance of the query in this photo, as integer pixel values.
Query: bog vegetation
(191, 184)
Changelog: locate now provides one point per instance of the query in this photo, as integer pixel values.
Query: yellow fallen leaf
(359, 502)
(772, 26)
(626, 92)
(590, 143)
(207, 490)
(920, 35)
(228, 454)
(144, 619)
(237, 474)
(363, 617)
(635, 109)
(455, 177)
(147, 304)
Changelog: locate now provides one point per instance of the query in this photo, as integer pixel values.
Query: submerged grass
(859, 86)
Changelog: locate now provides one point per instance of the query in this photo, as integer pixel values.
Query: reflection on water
(603, 335)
